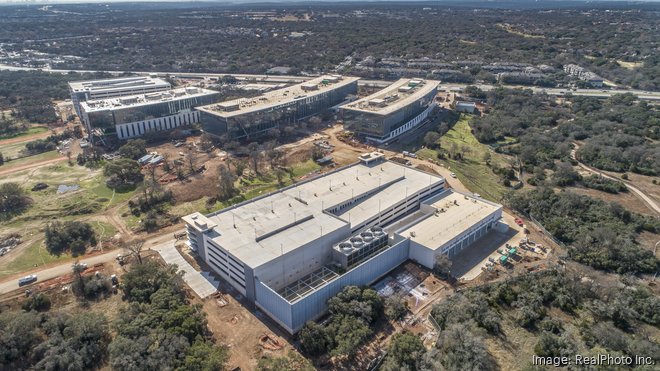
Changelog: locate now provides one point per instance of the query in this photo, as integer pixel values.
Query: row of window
(394, 212)
(409, 125)
(163, 123)
(228, 270)
(466, 241)
(232, 261)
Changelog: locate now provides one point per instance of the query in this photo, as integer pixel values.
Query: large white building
(135, 115)
(291, 250)
(390, 112)
(255, 116)
(82, 91)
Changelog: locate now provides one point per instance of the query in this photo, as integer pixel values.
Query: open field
(34, 254)
(29, 133)
(12, 150)
(85, 203)
(30, 161)
(472, 171)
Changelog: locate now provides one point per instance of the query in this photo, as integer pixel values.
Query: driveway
(201, 282)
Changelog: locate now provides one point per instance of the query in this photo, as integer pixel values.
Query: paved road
(11, 283)
(641, 195)
(58, 270)
(201, 282)
(644, 95)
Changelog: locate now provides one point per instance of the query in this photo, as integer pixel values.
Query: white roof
(144, 99)
(292, 217)
(118, 84)
(456, 213)
(278, 97)
(394, 97)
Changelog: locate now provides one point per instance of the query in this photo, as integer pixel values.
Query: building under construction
(291, 250)
(388, 113)
(252, 117)
(82, 91)
(136, 115)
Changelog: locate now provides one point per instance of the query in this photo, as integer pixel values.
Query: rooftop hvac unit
(377, 102)
(309, 86)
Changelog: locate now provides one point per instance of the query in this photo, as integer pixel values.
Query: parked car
(453, 175)
(27, 280)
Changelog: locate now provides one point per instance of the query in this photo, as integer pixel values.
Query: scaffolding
(307, 284)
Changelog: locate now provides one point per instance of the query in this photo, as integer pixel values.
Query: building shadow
(475, 255)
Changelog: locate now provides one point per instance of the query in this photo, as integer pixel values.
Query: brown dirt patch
(631, 202)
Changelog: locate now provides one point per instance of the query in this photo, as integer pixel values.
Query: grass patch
(104, 231)
(31, 131)
(51, 155)
(304, 168)
(32, 256)
(12, 151)
(108, 196)
(472, 171)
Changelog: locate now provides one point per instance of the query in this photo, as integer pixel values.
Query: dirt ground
(629, 199)
(644, 183)
(248, 332)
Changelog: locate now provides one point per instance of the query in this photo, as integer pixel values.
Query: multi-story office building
(249, 117)
(388, 113)
(82, 91)
(291, 250)
(134, 115)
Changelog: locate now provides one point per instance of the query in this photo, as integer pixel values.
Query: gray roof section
(118, 84)
(260, 230)
(278, 97)
(145, 99)
(394, 97)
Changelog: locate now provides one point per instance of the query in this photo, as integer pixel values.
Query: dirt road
(24, 138)
(643, 196)
(31, 166)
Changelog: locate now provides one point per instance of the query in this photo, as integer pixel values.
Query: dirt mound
(269, 342)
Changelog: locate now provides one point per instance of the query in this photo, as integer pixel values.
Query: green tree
(431, 139)
(395, 307)
(133, 149)
(226, 187)
(13, 200)
(291, 362)
(70, 236)
(39, 302)
(461, 349)
(123, 173)
(351, 332)
(404, 351)
(143, 280)
(314, 339)
(204, 356)
(74, 342)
